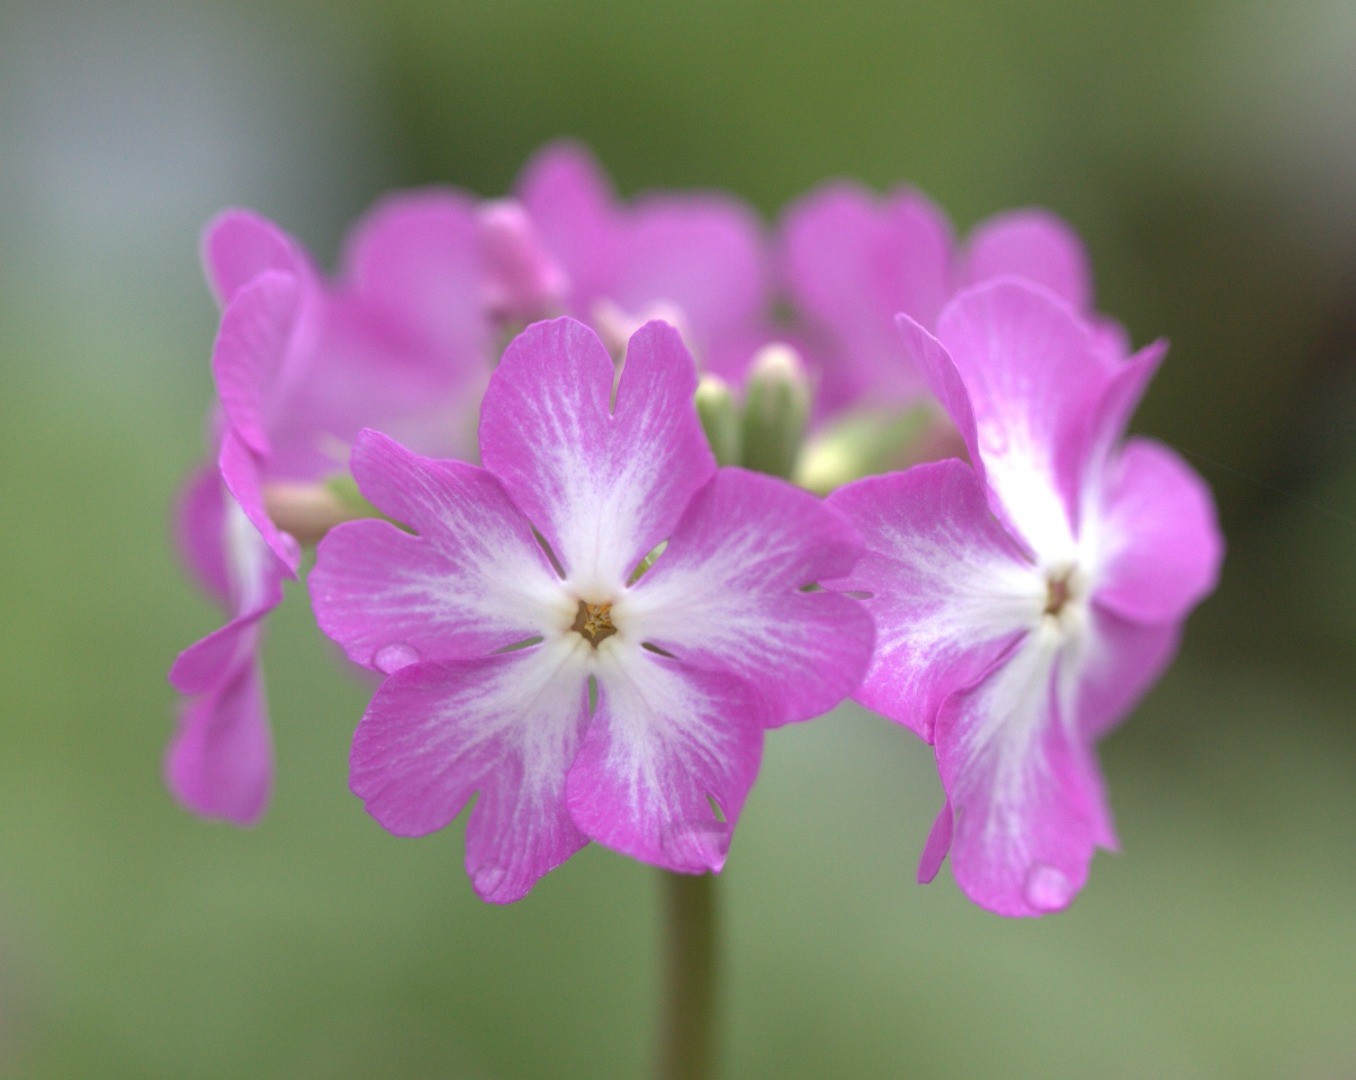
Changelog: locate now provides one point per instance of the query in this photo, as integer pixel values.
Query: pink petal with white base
(242, 472)
(729, 593)
(507, 726)
(1033, 376)
(1116, 664)
(473, 581)
(1034, 245)
(220, 762)
(603, 483)
(666, 739)
(949, 590)
(1024, 789)
(1158, 545)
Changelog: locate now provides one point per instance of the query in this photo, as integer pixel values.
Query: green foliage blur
(1206, 153)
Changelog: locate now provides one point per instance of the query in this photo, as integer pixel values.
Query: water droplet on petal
(486, 880)
(697, 845)
(1047, 889)
(929, 728)
(391, 658)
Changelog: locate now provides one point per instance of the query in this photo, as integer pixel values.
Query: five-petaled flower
(533, 652)
(1026, 600)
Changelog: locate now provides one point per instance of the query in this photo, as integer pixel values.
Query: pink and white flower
(853, 261)
(533, 658)
(403, 339)
(1025, 602)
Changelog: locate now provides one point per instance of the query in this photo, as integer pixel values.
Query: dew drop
(486, 880)
(929, 729)
(391, 658)
(1047, 889)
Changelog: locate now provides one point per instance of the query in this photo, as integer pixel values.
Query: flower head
(854, 261)
(534, 654)
(402, 340)
(1024, 602)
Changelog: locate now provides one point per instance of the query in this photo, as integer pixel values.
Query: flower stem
(686, 1049)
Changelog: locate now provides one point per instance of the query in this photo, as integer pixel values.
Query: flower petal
(474, 580)
(242, 472)
(570, 202)
(507, 726)
(416, 257)
(854, 262)
(1033, 375)
(1034, 245)
(1025, 791)
(239, 245)
(220, 762)
(700, 254)
(1115, 667)
(199, 527)
(250, 352)
(666, 739)
(728, 594)
(604, 484)
(1158, 544)
(950, 591)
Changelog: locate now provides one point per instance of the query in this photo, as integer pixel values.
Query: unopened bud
(720, 418)
(866, 442)
(308, 511)
(776, 410)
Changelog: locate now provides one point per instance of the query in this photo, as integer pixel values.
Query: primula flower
(534, 658)
(695, 260)
(853, 261)
(1025, 601)
(403, 340)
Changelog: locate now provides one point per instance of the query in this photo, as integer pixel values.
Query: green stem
(687, 1035)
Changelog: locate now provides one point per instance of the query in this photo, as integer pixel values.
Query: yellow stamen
(594, 622)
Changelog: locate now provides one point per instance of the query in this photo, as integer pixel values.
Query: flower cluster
(583, 619)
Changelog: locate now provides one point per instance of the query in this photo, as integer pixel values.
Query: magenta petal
(853, 264)
(239, 245)
(1034, 245)
(1034, 377)
(937, 845)
(416, 257)
(571, 204)
(949, 590)
(1159, 544)
(703, 255)
(473, 581)
(666, 740)
(220, 763)
(242, 473)
(1028, 801)
(199, 528)
(603, 483)
(729, 593)
(507, 726)
(523, 283)
(250, 351)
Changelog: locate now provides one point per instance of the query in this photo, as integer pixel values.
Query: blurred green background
(1207, 152)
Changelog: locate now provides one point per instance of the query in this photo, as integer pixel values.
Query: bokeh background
(1206, 151)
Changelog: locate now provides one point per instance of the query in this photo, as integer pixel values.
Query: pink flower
(853, 261)
(403, 340)
(695, 260)
(527, 659)
(1025, 602)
